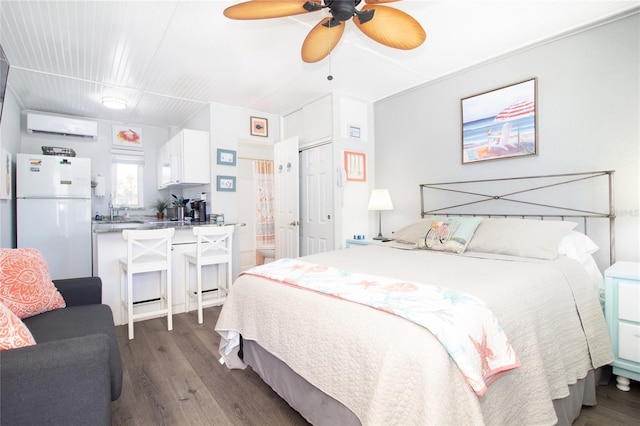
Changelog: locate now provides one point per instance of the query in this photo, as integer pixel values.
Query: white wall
(99, 153)
(225, 125)
(351, 201)
(229, 128)
(588, 119)
(10, 141)
(229, 125)
(327, 120)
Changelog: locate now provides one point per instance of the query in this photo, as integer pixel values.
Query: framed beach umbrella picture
(501, 123)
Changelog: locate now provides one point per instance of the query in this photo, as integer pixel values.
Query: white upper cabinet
(312, 123)
(318, 119)
(185, 160)
(292, 125)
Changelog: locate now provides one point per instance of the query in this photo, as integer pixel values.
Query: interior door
(316, 200)
(286, 198)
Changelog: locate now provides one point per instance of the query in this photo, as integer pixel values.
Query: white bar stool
(213, 247)
(148, 250)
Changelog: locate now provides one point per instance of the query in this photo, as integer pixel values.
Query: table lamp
(380, 200)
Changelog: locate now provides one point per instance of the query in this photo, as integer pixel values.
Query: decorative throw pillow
(13, 332)
(449, 234)
(415, 231)
(25, 283)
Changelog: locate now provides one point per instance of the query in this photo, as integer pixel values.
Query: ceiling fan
(386, 25)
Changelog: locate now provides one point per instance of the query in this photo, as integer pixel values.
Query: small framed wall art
(354, 132)
(259, 127)
(226, 183)
(226, 157)
(355, 165)
(127, 136)
(500, 123)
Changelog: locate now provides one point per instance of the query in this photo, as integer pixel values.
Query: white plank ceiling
(169, 58)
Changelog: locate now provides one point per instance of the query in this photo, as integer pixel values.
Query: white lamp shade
(380, 200)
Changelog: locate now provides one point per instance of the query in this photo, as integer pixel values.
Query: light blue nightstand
(622, 311)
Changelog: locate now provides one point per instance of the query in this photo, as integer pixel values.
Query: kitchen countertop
(103, 226)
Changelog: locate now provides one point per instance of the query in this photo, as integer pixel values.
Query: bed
(337, 360)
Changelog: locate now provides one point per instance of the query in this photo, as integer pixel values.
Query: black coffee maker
(198, 211)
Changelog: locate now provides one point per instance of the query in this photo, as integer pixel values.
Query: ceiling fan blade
(321, 40)
(263, 9)
(392, 27)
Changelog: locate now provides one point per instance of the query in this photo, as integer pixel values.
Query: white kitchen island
(109, 246)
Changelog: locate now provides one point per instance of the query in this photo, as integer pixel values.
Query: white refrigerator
(54, 211)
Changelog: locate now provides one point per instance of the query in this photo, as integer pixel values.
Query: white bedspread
(463, 324)
(390, 371)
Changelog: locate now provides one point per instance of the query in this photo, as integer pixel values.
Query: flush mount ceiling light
(114, 103)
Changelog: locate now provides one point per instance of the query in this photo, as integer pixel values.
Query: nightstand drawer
(628, 297)
(629, 342)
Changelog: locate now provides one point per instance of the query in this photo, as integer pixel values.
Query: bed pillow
(13, 332)
(25, 284)
(537, 239)
(456, 234)
(576, 244)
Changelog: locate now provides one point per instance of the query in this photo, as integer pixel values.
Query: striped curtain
(265, 222)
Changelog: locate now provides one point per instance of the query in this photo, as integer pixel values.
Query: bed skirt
(321, 409)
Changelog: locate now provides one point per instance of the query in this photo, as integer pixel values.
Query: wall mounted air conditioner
(61, 126)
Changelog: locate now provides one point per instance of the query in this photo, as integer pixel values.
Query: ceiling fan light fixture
(114, 103)
(342, 10)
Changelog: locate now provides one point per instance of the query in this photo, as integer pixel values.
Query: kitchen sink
(171, 222)
(118, 221)
(118, 224)
(112, 225)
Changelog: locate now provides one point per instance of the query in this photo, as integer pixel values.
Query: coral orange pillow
(25, 283)
(13, 332)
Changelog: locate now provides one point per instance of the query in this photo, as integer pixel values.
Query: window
(127, 174)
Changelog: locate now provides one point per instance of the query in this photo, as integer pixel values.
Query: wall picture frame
(501, 123)
(355, 166)
(226, 183)
(226, 157)
(259, 126)
(127, 136)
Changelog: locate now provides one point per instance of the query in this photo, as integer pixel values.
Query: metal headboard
(523, 197)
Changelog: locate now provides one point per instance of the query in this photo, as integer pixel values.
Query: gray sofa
(73, 372)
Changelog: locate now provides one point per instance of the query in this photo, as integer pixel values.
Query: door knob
(294, 223)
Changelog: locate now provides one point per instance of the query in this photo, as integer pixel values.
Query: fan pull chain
(330, 76)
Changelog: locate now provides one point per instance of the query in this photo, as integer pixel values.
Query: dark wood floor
(614, 407)
(174, 378)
